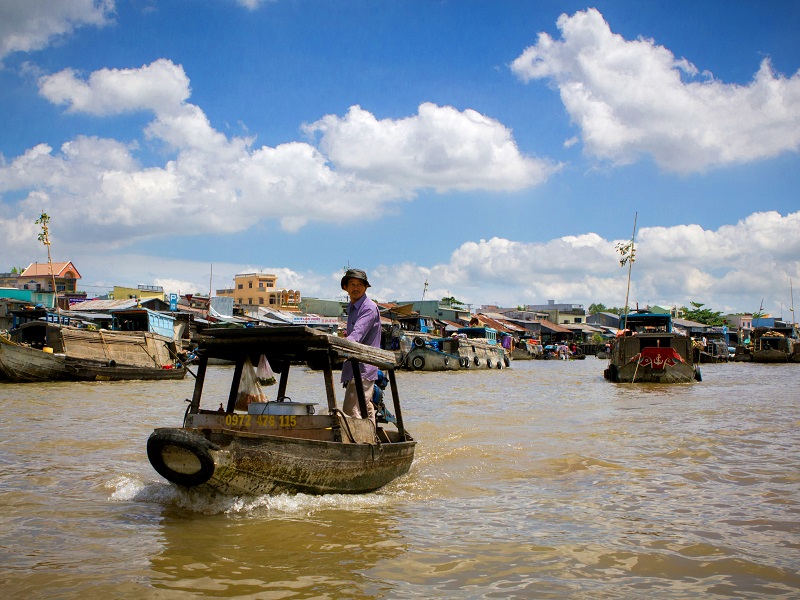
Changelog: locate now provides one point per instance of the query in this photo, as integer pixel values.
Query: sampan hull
(254, 465)
(25, 365)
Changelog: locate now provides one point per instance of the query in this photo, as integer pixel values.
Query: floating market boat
(467, 348)
(714, 349)
(772, 345)
(254, 446)
(646, 349)
(44, 351)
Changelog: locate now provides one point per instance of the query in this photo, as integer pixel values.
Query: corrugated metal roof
(582, 327)
(545, 324)
(98, 305)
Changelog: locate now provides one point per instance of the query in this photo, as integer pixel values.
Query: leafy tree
(702, 315)
(452, 301)
(597, 308)
(600, 307)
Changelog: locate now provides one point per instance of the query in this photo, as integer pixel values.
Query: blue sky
(497, 150)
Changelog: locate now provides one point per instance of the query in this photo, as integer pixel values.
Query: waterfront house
(253, 290)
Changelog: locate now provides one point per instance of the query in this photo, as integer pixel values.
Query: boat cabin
(646, 322)
(486, 333)
(143, 319)
(283, 347)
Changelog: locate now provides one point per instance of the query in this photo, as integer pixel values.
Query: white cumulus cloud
(439, 147)
(728, 269)
(633, 97)
(28, 25)
(212, 183)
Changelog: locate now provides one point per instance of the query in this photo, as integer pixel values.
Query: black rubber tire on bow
(197, 445)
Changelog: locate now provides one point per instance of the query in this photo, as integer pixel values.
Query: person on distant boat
(363, 326)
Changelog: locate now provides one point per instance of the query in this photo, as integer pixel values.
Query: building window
(250, 284)
(249, 300)
(270, 284)
(239, 300)
(272, 300)
(261, 301)
(240, 286)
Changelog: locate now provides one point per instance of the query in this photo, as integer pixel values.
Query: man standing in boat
(363, 326)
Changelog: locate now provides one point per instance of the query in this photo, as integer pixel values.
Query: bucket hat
(357, 274)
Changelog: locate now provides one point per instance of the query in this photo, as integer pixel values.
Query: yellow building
(143, 291)
(260, 289)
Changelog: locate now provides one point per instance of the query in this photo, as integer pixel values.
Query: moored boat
(646, 349)
(468, 348)
(711, 349)
(88, 370)
(23, 364)
(528, 348)
(281, 445)
(771, 346)
(41, 350)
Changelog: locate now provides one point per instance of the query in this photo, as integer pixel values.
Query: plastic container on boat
(281, 408)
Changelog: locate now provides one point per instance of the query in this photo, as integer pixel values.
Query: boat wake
(130, 489)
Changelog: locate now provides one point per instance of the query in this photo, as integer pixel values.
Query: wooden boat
(23, 364)
(528, 349)
(714, 350)
(771, 345)
(647, 350)
(468, 348)
(41, 350)
(282, 445)
(87, 370)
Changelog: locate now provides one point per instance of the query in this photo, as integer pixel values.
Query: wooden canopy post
(396, 400)
(194, 408)
(330, 390)
(237, 376)
(362, 401)
(284, 381)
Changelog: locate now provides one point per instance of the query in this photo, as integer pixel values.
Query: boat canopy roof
(290, 343)
(639, 321)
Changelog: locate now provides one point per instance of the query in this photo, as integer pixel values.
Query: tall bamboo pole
(44, 237)
(630, 266)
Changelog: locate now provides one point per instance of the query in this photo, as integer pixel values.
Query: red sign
(658, 358)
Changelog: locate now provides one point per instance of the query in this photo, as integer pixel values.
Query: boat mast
(791, 295)
(628, 252)
(44, 237)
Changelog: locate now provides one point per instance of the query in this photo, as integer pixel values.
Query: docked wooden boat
(772, 346)
(468, 348)
(23, 364)
(89, 370)
(41, 351)
(281, 445)
(646, 349)
(528, 349)
(713, 350)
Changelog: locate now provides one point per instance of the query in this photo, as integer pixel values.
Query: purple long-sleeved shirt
(364, 326)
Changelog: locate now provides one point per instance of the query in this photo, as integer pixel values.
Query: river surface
(540, 481)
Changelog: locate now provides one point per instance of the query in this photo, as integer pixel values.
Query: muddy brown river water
(540, 481)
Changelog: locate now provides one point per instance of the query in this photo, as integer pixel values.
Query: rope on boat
(338, 412)
(636, 370)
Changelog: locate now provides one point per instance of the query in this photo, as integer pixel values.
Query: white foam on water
(127, 488)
